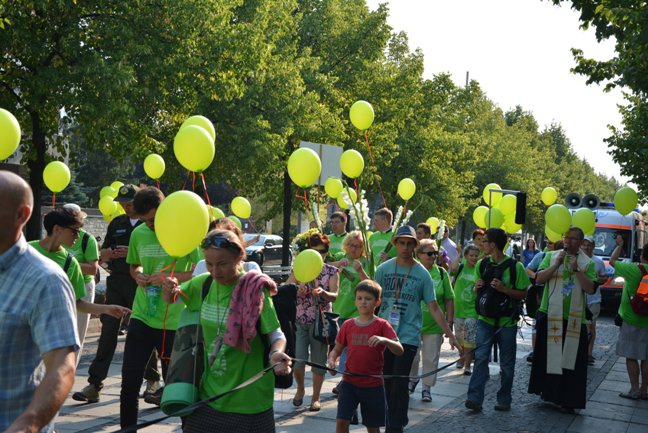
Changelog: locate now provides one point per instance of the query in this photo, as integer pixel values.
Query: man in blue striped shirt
(38, 334)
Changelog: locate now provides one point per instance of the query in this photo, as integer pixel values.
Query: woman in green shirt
(250, 408)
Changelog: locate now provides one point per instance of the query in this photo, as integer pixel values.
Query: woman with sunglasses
(313, 299)
(431, 333)
(250, 408)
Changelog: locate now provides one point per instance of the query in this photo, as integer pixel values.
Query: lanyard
(396, 286)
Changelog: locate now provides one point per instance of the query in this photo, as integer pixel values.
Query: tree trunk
(287, 207)
(36, 167)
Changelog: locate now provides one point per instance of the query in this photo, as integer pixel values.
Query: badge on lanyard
(394, 318)
(567, 288)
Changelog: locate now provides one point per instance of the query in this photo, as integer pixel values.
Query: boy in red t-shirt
(365, 338)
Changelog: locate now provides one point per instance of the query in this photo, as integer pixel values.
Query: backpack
(84, 246)
(491, 303)
(454, 280)
(639, 301)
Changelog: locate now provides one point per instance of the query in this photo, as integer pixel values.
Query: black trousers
(396, 390)
(140, 342)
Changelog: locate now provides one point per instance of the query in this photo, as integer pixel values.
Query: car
(266, 251)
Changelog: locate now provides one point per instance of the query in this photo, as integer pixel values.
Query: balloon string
(193, 181)
(166, 313)
(373, 162)
(202, 175)
(184, 184)
(53, 199)
(158, 183)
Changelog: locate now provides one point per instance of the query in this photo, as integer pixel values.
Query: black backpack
(491, 303)
(84, 246)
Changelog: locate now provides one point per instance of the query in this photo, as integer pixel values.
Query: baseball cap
(76, 209)
(405, 232)
(126, 193)
(589, 238)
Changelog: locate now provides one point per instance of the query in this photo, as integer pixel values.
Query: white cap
(76, 209)
(589, 238)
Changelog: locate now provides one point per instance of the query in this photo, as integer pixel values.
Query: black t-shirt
(118, 234)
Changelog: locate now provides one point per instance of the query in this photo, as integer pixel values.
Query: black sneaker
(502, 407)
(590, 360)
(530, 358)
(412, 386)
(473, 405)
(155, 398)
(89, 394)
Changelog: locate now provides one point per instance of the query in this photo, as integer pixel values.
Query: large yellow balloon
(304, 167)
(494, 198)
(203, 122)
(558, 218)
(194, 148)
(496, 218)
(625, 200)
(154, 166)
(507, 204)
(510, 226)
(549, 196)
(241, 207)
(352, 195)
(552, 235)
(479, 216)
(107, 205)
(406, 188)
(9, 134)
(214, 213)
(56, 176)
(361, 115)
(333, 187)
(107, 191)
(181, 223)
(584, 219)
(116, 185)
(352, 163)
(307, 265)
(433, 222)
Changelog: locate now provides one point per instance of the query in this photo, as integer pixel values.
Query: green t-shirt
(465, 296)
(336, 243)
(344, 304)
(590, 272)
(378, 242)
(90, 254)
(443, 292)
(148, 306)
(522, 282)
(231, 367)
(632, 275)
(73, 272)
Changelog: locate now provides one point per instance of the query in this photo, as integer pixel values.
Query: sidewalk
(606, 411)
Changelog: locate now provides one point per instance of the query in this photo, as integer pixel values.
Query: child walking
(365, 338)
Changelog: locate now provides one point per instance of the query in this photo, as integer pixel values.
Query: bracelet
(272, 352)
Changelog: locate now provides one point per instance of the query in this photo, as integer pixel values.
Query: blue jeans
(486, 337)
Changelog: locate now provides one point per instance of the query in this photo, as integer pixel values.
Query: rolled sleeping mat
(186, 367)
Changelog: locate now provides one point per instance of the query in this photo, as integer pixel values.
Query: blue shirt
(37, 315)
(535, 262)
(403, 289)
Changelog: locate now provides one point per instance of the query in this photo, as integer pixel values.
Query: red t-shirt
(360, 357)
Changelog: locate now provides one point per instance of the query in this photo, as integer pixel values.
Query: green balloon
(584, 219)
(333, 187)
(558, 218)
(236, 221)
(107, 191)
(352, 163)
(9, 134)
(304, 167)
(361, 115)
(496, 218)
(625, 200)
(479, 216)
(308, 265)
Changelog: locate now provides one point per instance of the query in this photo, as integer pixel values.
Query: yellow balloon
(625, 200)
(510, 226)
(496, 218)
(558, 218)
(9, 134)
(107, 191)
(549, 196)
(116, 185)
(181, 223)
(241, 207)
(56, 176)
(494, 198)
(352, 163)
(333, 187)
(361, 115)
(107, 205)
(406, 188)
(584, 219)
(352, 195)
(433, 222)
(194, 148)
(236, 221)
(154, 166)
(479, 216)
(507, 204)
(214, 213)
(552, 235)
(304, 167)
(203, 122)
(307, 265)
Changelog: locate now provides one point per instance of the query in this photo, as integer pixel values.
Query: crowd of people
(392, 319)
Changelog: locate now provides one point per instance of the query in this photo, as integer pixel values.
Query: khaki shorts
(596, 311)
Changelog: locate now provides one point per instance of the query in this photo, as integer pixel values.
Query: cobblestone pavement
(605, 412)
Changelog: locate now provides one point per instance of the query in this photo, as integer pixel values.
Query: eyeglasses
(74, 230)
(219, 242)
(429, 253)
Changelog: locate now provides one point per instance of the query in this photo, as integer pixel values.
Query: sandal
(315, 406)
(631, 395)
(298, 401)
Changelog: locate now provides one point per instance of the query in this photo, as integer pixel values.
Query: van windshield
(604, 241)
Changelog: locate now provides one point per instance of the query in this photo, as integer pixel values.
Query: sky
(519, 52)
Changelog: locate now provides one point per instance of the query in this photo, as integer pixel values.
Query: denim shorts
(371, 400)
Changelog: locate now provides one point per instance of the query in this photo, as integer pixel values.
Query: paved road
(605, 411)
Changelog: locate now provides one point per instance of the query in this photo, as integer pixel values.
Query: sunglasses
(430, 253)
(74, 230)
(219, 242)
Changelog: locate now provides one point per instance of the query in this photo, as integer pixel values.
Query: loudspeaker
(520, 208)
(573, 200)
(591, 201)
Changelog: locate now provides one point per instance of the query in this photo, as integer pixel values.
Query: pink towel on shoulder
(245, 309)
